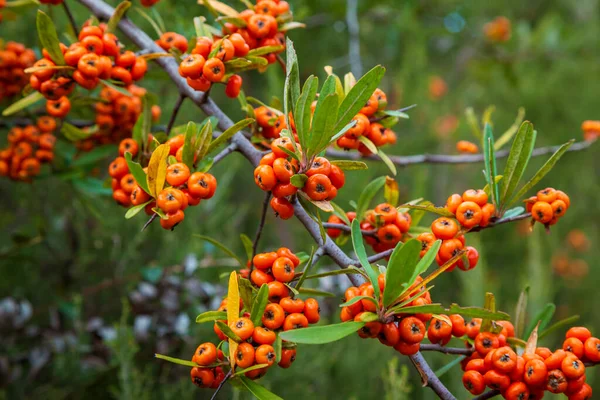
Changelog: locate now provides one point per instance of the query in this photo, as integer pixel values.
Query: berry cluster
(275, 171)
(367, 126)
(97, 55)
(270, 122)
(497, 366)
(14, 59)
(464, 146)
(186, 188)
(498, 30)
(471, 209)
(591, 130)
(405, 332)
(28, 148)
(548, 206)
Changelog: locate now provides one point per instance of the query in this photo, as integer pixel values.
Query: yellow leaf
(157, 169)
(220, 7)
(233, 311)
(391, 191)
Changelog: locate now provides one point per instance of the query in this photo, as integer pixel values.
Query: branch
(224, 153)
(447, 350)
(346, 228)
(403, 161)
(429, 379)
(487, 395)
(71, 18)
(501, 221)
(229, 374)
(261, 224)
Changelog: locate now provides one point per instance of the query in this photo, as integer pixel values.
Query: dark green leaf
(133, 211)
(307, 268)
(302, 112)
(517, 161)
(260, 302)
(97, 154)
(228, 134)
(138, 173)
(292, 82)
(425, 262)
(228, 332)
(315, 292)
(246, 292)
(359, 249)
(210, 316)
(321, 334)
(356, 299)
(23, 103)
(490, 163)
(92, 186)
(442, 371)
(401, 269)
(49, 38)
(367, 195)
(258, 391)
(323, 122)
(348, 165)
(203, 139)
(543, 317)
(189, 148)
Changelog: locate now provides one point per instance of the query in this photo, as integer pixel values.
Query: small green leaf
(246, 292)
(307, 268)
(359, 249)
(288, 26)
(261, 51)
(228, 332)
(133, 211)
(303, 113)
(521, 312)
(252, 368)
(446, 368)
(260, 302)
(558, 325)
(118, 88)
(228, 134)
(396, 113)
(321, 334)
(257, 390)
(349, 165)
(189, 149)
(315, 292)
(119, 13)
(160, 213)
(387, 161)
(176, 360)
(543, 317)
(23, 103)
(49, 38)
(205, 164)
(518, 158)
(322, 127)
(340, 213)
(513, 212)
(345, 271)
(490, 163)
(203, 140)
(490, 305)
(424, 262)
(548, 165)
(292, 82)
(138, 172)
(473, 312)
(368, 144)
(299, 180)
(210, 316)
(356, 299)
(401, 269)
(278, 347)
(429, 207)
(367, 195)
(222, 247)
(247, 242)
(150, 20)
(73, 133)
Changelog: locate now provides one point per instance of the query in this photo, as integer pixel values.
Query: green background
(67, 249)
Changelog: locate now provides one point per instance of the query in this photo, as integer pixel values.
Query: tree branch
(447, 350)
(403, 161)
(429, 379)
(487, 395)
(71, 18)
(346, 228)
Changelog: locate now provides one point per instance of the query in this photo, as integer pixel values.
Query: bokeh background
(86, 298)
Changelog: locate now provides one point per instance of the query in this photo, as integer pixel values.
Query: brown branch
(403, 161)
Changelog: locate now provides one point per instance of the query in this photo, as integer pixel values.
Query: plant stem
(176, 108)
(71, 18)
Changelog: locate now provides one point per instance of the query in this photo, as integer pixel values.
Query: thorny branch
(102, 10)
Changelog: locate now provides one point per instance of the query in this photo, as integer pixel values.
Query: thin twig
(488, 395)
(147, 224)
(71, 18)
(447, 350)
(176, 108)
(346, 228)
(429, 379)
(403, 161)
(501, 221)
(261, 224)
(224, 153)
(229, 374)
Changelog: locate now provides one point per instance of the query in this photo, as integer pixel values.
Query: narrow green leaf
(308, 266)
(340, 213)
(176, 360)
(490, 163)
(72, 133)
(322, 124)
(510, 132)
(228, 332)
(315, 292)
(23, 103)
(118, 88)
(321, 334)
(424, 263)
(257, 390)
(401, 269)
(518, 158)
(368, 144)
(278, 347)
(558, 325)
(427, 206)
(261, 51)
(49, 38)
(335, 272)
(359, 249)
(513, 212)
(247, 242)
(356, 299)
(138, 173)
(260, 302)
(246, 292)
(252, 368)
(548, 165)
(292, 82)
(133, 211)
(203, 139)
(396, 113)
(302, 112)
(150, 20)
(357, 97)
(341, 133)
(387, 161)
(543, 317)
(473, 123)
(189, 149)
(228, 134)
(446, 368)
(349, 165)
(473, 312)
(299, 180)
(222, 247)
(521, 312)
(210, 316)
(490, 305)
(367, 195)
(120, 11)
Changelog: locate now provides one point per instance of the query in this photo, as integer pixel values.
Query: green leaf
(473, 312)
(558, 325)
(307, 268)
(189, 149)
(424, 262)
(340, 213)
(252, 368)
(203, 139)
(387, 161)
(261, 51)
(367, 195)
(257, 390)
(302, 112)
(292, 82)
(73, 133)
(222, 247)
(321, 334)
(23, 103)
(510, 132)
(148, 18)
(120, 11)
(391, 191)
(401, 270)
(176, 360)
(288, 26)
(260, 302)
(299, 180)
(521, 312)
(133, 211)
(228, 332)
(518, 158)
(357, 97)
(345, 271)
(429, 207)
(513, 212)
(160, 213)
(205, 164)
(138, 173)
(118, 88)
(246, 291)
(543, 317)
(473, 123)
(368, 144)
(49, 38)
(157, 170)
(490, 305)
(247, 242)
(396, 113)
(349, 165)
(548, 165)
(446, 368)
(322, 123)
(210, 316)
(228, 134)
(490, 163)
(238, 22)
(341, 133)
(356, 299)
(278, 347)
(315, 292)
(359, 249)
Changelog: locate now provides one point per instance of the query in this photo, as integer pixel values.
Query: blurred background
(86, 299)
